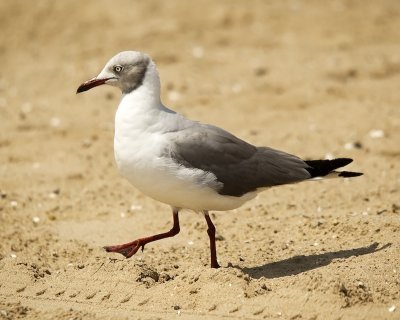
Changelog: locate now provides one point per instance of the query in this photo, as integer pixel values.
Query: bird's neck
(148, 93)
(141, 108)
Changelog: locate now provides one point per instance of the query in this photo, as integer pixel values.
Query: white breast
(140, 153)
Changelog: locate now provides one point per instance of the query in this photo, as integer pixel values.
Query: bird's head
(126, 70)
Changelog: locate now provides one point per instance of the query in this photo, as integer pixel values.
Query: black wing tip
(320, 168)
(336, 163)
(350, 174)
(341, 162)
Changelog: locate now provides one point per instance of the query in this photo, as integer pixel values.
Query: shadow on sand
(299, 264)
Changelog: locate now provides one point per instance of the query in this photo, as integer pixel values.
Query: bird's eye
(118, 68)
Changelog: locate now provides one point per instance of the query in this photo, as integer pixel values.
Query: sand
(313, 78)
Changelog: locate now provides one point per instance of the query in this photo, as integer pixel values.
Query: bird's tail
(327, 168)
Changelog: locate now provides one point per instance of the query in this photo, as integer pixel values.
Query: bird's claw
(127, 250)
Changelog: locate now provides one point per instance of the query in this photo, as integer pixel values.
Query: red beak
(91, 84)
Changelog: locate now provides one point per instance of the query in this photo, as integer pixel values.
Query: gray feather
(238, 165)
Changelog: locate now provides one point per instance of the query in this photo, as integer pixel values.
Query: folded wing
(238, 165)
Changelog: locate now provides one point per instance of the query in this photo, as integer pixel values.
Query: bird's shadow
(299, 264)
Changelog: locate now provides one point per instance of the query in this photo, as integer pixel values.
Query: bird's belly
(183, 194)
(171, 184)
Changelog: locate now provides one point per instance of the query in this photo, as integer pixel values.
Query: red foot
(127, 249)
(130, 248)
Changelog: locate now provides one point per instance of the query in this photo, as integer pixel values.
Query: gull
(187, 164)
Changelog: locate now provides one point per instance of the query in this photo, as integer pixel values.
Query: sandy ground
(314, 78)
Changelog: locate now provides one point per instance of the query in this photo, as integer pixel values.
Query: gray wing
(238, 165)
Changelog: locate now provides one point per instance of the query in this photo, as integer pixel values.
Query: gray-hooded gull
(187, 164)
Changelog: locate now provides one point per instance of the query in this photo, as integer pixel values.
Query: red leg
(129, 249)
(211, 235)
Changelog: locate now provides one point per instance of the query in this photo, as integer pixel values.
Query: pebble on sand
(353, 145)
(174, 96)
(392, 308)
(198, 52)
(55, 122)
(376, 134)
(135, 207)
